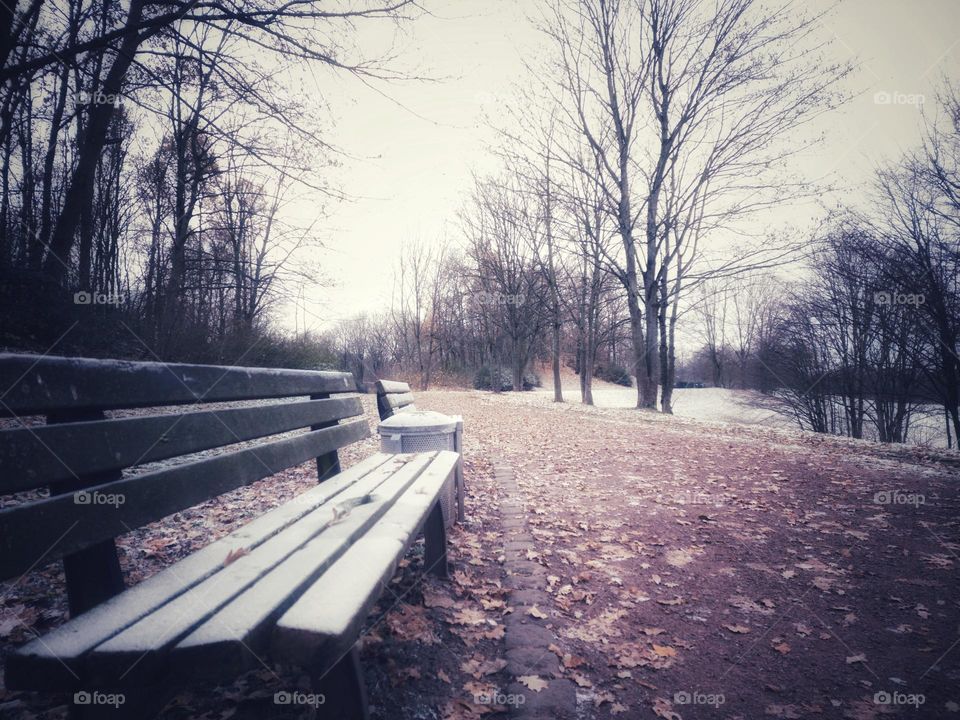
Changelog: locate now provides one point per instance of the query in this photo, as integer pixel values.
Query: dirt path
(701, 573)
(689, 571)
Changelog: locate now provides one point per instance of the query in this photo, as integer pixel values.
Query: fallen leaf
(495, 633)
(479, 666)
(674, 601)
(664, 650)
(664, 708)
(581, 680)
(533, 682)
(235, 555)
(469, 616)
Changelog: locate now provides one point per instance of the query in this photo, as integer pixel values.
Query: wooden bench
(290, 588)
(393, 397)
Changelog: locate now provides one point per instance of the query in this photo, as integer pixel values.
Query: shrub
(482, 380)
(531, 380)
(615, 374)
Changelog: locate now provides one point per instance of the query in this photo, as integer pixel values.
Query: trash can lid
(418, 421)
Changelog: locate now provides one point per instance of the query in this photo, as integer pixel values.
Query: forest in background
(150, 152)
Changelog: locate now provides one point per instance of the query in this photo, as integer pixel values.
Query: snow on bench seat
(326, 620)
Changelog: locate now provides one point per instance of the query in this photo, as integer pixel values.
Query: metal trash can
(422, 431)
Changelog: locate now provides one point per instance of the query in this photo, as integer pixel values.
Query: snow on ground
(741, 407)
(710, 404)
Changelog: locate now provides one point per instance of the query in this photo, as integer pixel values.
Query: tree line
(149, 153)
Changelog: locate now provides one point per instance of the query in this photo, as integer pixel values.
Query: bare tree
(685, 106)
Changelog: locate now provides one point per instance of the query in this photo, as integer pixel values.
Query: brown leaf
(235, 555)
(495, 633)
(432, 598)
(469, 616)
(581, 680)
(674, 601)
(664, 708)
(664, 650)
(533, 682)
(478, 666)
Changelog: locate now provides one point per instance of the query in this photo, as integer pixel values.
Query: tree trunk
(557, 387)
(80, 192)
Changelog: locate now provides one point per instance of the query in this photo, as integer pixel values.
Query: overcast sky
(412, 146)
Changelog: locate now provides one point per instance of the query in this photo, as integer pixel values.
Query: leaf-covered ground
(693, 571)
(709, 571)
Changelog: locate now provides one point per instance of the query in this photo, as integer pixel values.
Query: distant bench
(393, 397)
(293, 586)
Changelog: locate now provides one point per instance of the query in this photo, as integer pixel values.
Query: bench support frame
(343, 689)
(93, 575)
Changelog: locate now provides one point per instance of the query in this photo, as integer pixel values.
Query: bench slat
(37, 456)
(387, 387)
(53, 662)
(398, 401)
(48, 529)
(326, 620)
(267, 576)
(38, 385)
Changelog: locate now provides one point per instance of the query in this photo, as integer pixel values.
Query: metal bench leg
(327, 465)
(435, 536)
(343, 689)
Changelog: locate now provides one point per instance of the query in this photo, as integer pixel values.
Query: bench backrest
(393, 397)
(80, 454)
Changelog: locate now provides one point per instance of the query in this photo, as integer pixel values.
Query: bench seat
(293, 586)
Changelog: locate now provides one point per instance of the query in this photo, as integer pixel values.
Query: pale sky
(413, 145)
